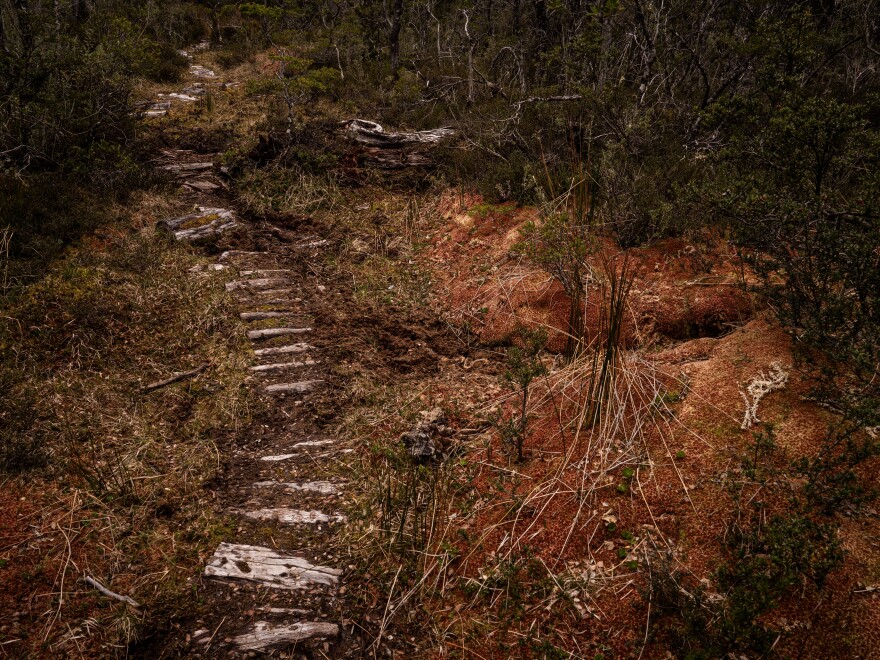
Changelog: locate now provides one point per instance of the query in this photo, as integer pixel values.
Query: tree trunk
(540, 18)
(216, 34)
(14, 27)
(10, 36)
(394, 37)
(80, 9)
(470, 56)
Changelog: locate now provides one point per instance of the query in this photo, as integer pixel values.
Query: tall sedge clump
(606, 356)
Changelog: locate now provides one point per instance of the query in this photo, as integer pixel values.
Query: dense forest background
(755, 119)
(752, 122)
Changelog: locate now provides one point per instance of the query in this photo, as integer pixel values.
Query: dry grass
(287, 190)
(552, 557)
(122, 497)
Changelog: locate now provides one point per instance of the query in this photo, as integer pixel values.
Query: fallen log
(371, 133)
(266, 636)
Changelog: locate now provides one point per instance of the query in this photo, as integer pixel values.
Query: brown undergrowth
(565, 554)
(576, 550)
(111, 480)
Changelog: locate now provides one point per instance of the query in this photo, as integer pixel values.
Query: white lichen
(759, 387)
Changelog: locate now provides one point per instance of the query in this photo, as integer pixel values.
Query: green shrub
(523, 366)
(21, 442)
(799, 187)
(766, 559)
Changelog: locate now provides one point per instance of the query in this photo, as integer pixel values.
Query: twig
(385, 615)
(175, 378)
(112, 594)
(216, 630)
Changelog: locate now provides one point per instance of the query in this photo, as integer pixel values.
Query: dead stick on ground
(216, 630)
(175, 378)
(112, 594)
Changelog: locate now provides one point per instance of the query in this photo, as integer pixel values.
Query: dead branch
(112, 594)
(549, 99)
(175, 378)
(371, 133)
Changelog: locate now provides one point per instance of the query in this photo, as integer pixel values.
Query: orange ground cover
(693, 339)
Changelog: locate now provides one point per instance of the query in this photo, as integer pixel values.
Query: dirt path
(272, 583)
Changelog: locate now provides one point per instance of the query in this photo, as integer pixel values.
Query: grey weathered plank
(267, 567)
(265, 636)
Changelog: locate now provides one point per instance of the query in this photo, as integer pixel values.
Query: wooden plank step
(269, 568)
(280, 350)
(287, 516)
(202, 185)
(306, 444)
(258, 283)
(293, 388)
(322, 487)
(197, 226)
(264, 273)
(274, 292)
(269, 333)
(200, 268)
(259, 316)
(278, 366)
(237, 253)
(298, 448)
(312, 244)
(277, 457)
(188, 167)
(158, 109)
(266, 636)
(200, 71)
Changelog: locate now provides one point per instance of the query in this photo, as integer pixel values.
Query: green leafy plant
(565, 236)
(523, 366)
(834, 474)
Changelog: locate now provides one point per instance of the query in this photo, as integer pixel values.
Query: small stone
(419, 442)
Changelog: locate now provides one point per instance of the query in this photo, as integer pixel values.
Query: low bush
(766, 559)
(21, 443)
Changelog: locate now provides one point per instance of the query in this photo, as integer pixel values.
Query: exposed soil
(693, 341)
